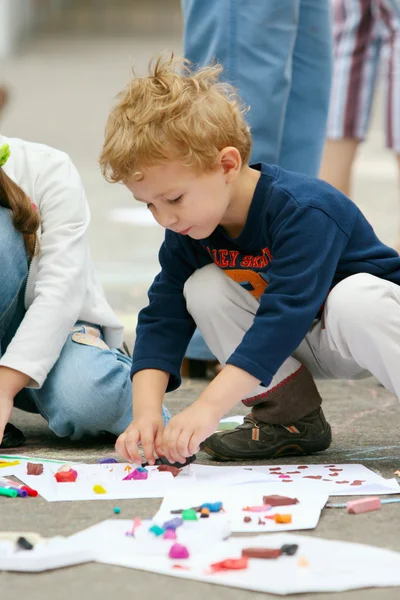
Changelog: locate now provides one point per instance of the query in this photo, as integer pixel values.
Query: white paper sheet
(334, 480)
(332, 565)
(305, 514)
(110, 476)
(111, 535)
(46, 555)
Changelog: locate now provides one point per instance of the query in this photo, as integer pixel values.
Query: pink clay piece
(178, 551)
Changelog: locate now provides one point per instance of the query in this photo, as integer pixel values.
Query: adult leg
(308, 103)
(357, 45)
(254, 42)
(89, 389)
(286, 417)
(14, 271)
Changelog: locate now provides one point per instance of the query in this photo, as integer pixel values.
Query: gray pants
(358, 335)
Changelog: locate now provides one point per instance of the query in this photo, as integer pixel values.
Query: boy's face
(182, 200)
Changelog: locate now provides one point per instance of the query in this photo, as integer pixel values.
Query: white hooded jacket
(62, 286)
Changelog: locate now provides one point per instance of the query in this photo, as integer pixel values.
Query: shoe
(257, 440)
(13, 437)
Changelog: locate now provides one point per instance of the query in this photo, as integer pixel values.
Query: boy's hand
(185, 432)
(148, 430)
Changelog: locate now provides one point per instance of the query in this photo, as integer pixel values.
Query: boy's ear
(231, 162)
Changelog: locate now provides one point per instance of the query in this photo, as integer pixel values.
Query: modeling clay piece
(247, 520)
(256, 508)
(128, 468)
(8, 463)
(23, 544)
(117, 510)
(170, 534)
(355, 507)
(34, 468)
(276, 500)
(204, 513)
(261, 552)
(289, 549)
(302, 562)
(135, 524)
(98, 489)
(178, 551)
(282, 518)
(66, 476)
(212, 506)
(66, 467)
(358, 482)
(137, 474)
(173, 523)
(261, 522)
(169, 469)
(230, 564)
(157, 530)
(107, 461)
(189, 515)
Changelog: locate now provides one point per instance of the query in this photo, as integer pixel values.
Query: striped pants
(366, 35)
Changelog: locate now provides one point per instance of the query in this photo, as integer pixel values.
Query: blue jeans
(88, 390)
(278, 54)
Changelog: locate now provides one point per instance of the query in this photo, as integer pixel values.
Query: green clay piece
(189, 515)
(157, 530)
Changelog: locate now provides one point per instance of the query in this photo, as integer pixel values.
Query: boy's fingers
(131, 443)
(194, 444)
(120, 447)
(158, 442)
(177, 447)
(147, 441)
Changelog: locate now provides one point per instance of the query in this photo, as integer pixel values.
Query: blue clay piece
(212, 506)
(173, 523)
(106, 461)
(141, 470)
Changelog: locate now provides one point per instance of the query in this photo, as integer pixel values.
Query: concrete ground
(62, 88)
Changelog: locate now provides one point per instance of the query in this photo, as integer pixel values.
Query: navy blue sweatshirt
(300, 239)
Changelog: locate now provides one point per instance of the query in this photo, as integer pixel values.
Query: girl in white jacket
(58, 335)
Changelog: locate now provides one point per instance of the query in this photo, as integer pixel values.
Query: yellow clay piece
(98, 489)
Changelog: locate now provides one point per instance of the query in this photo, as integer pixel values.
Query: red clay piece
(66, 476)
(261, 552)
(276, 500)
(34, 468)
(230, 564)
(170, 469)
(247, 520)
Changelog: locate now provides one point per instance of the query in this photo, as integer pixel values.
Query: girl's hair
(25, 215)
(191, 113)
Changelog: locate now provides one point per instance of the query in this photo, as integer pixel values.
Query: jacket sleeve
(60, 280)
(165, 327)
(306, 249)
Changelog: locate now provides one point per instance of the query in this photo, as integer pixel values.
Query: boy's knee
(356, 301)
(207, 289)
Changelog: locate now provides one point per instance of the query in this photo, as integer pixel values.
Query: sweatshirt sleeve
(306, 248)
(165, 327)
(60, 281)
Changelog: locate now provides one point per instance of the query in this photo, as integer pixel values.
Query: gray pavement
(62, 88)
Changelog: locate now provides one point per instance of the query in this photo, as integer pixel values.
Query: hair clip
(4, 154)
